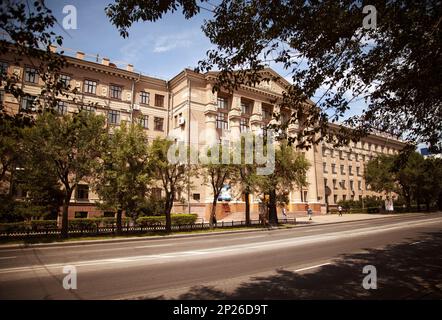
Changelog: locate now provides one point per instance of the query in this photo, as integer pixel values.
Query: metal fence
(131, 229)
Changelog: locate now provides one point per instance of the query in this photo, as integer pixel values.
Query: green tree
(217, 174)
(408, 176)
(68, 146)
(171, 176)
(121, 182)
(331, 56)
(379, 174)
(290, 170)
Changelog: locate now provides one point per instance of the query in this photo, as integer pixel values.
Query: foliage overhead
(324, 47)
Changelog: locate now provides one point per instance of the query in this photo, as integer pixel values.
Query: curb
(135, 239)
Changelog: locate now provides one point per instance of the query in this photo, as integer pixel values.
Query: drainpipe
(168, 108)
(133, 97)
(189, 100)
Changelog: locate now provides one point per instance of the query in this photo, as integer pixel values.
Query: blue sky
(160, 49)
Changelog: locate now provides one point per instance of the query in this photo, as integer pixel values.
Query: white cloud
(170, 42)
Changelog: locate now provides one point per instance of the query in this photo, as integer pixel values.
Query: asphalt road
(310, 262)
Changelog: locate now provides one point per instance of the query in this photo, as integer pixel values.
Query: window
(144, 97)
(342, 169)
(333, 168)
(341, 155)
(65, 80)
(113, 117)
(351, 184)
(359, 185)
(245, 108)
(324, 166)
(80, 214)
(267, 113)
(158, 123)
(350, 172)
(144, 121)
(82, 192)
(344, 197)
(115, 91)
(221, 120)
(3, 68)
(358, 171)
(285, 117)
(159, 101)
(342, 184)
(264, 130)
(334, 184)
(88, 108)
(62, 107)
(335, 199)
(27, 103)
(109, 214)
(176, 120)
(31, 75)
(325, 182)
(90, 86)
(222, 103)
(243, 125)
(156, 193)
(196, 196)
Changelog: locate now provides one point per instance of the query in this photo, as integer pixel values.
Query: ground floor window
(109, 214)
(80, 214)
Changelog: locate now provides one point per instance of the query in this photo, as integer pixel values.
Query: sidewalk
(316, 219)
(333, 218)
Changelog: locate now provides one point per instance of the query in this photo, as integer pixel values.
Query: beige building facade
(186, 109)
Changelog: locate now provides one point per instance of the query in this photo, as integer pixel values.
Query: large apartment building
(185, 108)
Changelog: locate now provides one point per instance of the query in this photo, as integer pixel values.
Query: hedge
(34, 225)
(177, 219)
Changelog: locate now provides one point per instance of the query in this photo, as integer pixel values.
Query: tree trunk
(273, 217)
(119, 224)
(247, 194)
(65, 214)
(169, 205)
(65, 219)
(213, 212)
(408, 200)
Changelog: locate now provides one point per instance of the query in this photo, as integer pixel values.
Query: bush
(43, 224)
(83, 223)
(13, 227)
(153, 207)
(177, 219)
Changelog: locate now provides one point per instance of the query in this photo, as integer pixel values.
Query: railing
(132, 229)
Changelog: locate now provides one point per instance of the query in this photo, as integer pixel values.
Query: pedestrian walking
(284, 212)
(340, 210)
(309, 212)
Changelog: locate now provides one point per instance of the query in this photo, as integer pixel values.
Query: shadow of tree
(409, 270)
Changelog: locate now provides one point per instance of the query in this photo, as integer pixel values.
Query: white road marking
(313, 267)
(153, 246)
(4, 258)
(206, 253)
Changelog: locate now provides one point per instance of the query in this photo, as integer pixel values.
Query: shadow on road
(409, 270)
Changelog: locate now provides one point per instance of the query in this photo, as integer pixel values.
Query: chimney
(105, 61)
(53, 48)
(130, 67)
(80, 55)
